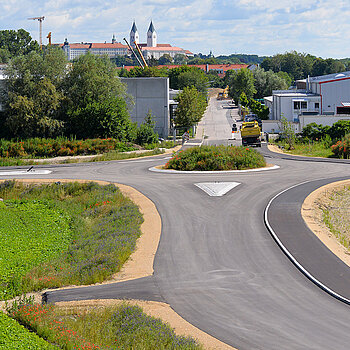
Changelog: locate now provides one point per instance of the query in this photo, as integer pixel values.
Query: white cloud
(248, 26)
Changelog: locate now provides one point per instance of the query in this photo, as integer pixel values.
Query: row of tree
(45, 96)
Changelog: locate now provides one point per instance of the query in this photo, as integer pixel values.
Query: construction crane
(49, 37)
(40, 19)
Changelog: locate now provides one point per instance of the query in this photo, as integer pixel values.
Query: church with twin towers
(151, 48)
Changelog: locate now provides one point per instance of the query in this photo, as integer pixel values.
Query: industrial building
(323, 100)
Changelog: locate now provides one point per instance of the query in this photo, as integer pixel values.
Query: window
(300, 104)
(317, 105)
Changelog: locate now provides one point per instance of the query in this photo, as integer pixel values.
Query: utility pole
(40, 19)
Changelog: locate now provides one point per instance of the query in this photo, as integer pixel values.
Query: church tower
(134, 35)
(151, 36)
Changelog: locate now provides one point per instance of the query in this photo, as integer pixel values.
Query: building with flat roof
(326, 95)
(112, 49)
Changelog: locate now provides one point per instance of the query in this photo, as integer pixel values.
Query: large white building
(326, 95)
(112, 49)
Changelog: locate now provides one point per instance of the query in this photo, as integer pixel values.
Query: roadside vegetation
(62, 234)
(317, 140)
(209, 158)
(119, 327)
(15, 336)
(336, 215)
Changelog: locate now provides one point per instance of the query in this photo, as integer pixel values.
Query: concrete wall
(274, 126)
(321, 119)
(150, 94)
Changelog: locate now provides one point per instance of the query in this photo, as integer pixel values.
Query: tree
(287, 132)
(180, 59)
(194, 77)
(103, 118)
(91, 87)
(17, 42)
(174, 73)
(32, 95)
(165, 59)
(145, 133)
(265, 82)
(191, 107)
(241, 81)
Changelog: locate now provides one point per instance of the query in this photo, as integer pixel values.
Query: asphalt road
(217, 265)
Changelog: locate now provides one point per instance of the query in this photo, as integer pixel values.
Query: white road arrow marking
(216, 189)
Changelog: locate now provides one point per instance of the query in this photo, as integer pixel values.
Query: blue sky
(263, 27)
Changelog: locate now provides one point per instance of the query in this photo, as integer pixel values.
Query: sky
(262, 27)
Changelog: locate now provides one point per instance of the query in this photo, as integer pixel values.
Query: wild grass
(314, 149)
(119, 327)
(103, 229)
(336, 215)
(216, 158)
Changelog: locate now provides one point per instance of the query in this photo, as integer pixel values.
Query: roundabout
(217, 265)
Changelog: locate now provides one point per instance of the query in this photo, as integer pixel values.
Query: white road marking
(25, 172)
(217, 189)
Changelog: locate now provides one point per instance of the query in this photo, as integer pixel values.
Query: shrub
(145, 133)
(41, 147)
(342, 148)
(216, 158)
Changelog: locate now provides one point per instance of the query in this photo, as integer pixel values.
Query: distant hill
(241, 58)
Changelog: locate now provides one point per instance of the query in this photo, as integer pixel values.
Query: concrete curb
(171, 171)
(291, 257)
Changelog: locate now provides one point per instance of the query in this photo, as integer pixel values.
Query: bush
(342, 148)
(216, 158)
(145, 134)
(38, 147)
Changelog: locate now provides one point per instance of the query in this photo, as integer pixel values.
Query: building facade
(327, 95)
(112, 49)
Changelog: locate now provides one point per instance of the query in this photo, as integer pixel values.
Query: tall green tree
(165, 59)
(95, 100)
(191, 107)
(16, 43)
(240, 81)
(194, 77)
(32, 95)
(265, 82)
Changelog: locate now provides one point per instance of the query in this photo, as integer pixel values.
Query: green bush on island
(209, 158)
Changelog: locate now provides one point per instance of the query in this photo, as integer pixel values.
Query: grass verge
(336, 215)
(15, 336)
(314, 149)
(119, 327)
(211, 158)
(86, 234)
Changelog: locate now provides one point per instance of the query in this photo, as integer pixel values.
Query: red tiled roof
(79, 46)
(223, 67)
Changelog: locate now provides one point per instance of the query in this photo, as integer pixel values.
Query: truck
(251, 133)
